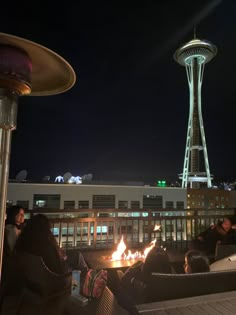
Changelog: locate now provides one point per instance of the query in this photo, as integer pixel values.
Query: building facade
(210, 199)
(71, 196)
(99, 215)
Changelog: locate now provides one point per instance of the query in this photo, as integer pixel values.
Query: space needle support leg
(8, 116)
(203, 137)
(189, 71)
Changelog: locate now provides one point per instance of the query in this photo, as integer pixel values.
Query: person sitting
(15, 217)
(134, 283)
(196, 261)
(13, 228)
(38, 239)
(220, 233)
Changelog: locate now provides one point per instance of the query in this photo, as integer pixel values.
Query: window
(47, 201)
(83, 204)
(40, 203)
(135, 204)
(103, 201)
(170, 204)
(69, 204)
(23, 203)
(122, 204)
(152, 202)
(180, 205)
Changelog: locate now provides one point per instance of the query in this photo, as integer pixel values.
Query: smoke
(177, 36)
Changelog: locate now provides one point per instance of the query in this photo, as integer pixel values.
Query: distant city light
(72, 180)
(161, 183)
(59, 179)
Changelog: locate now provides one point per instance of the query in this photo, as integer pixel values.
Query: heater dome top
(51, 74)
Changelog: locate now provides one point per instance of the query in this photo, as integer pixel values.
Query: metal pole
(8, 116)
(18, 57)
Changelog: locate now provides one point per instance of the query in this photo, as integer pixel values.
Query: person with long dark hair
(38, 239)
(196, 261)
(15, 217)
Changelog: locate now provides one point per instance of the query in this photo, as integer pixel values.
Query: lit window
(40, 203)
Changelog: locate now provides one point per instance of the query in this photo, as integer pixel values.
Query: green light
(161, 183)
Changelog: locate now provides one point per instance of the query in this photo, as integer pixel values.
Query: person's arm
(202, 236)
(11, 237)
(131, 273)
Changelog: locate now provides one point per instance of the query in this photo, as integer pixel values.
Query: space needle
(194, 55)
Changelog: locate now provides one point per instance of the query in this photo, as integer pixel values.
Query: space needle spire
(194, 55)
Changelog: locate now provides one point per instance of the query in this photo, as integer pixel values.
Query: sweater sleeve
(11, 236)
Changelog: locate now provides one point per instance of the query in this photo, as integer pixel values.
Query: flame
(120, 254)
(147, 250)
(117, 255)
(157, 227)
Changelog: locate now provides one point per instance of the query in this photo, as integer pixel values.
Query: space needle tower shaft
(194, 55)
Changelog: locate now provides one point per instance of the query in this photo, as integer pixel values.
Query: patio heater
(26, 68)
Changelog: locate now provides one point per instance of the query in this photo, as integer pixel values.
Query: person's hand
(200, 238)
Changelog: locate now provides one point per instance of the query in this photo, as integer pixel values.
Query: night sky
(126, 116)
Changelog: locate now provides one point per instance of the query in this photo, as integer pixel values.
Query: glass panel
(103, 201)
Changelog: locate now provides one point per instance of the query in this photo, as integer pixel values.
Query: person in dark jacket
(220, 233)
(134, 283)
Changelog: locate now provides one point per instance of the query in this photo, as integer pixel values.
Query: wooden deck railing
(103, 228)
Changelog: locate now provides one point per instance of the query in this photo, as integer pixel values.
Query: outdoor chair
(42, 291)
(108, 305)
(175, 286)
(223, 251)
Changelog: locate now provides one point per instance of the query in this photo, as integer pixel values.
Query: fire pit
(121, 258)
(121, 255)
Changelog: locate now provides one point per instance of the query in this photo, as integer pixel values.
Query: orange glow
(157, 227)
(147, 250)
(120, 254)
(117, 255)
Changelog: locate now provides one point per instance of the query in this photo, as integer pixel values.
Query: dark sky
(126, 116)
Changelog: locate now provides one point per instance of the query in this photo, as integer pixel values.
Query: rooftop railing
(103, 228)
